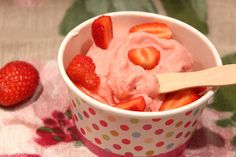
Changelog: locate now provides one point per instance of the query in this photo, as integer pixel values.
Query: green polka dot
(195, 112)
(105, 137)
(134, 121)
(170, 145)
(169, 134)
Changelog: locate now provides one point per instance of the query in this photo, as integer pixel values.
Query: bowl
(110, 131)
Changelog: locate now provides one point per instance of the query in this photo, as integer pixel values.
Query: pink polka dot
(187, 124)
(179, 135)
(194, 123)
(156, 119)
(147, 127)
(124, 127)
(129, 154)
(188, 113)
(159, 131)
(169, 121)
(97, 140)
(159, 144)
(187, 134)
(125, 141)
(95, 126)
(117, 146)
(86, 114)
(92, 111)
(71, 107)
(103, 123)
(138, 148)
(75, 118)
(82, 131)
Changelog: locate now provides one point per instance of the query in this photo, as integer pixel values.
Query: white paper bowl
(120, 132)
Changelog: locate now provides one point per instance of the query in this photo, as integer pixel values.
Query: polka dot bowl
(128, 133)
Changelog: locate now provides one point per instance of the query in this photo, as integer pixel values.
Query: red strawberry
(159, 29)
(147, 57)
(18, 82)
(179, 99)
(200, 90)
(81, 71)
(102, 31)
(136, 104)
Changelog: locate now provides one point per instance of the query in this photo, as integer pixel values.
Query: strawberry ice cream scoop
(122, 80)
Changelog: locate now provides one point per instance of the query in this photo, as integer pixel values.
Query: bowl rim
(102, 106)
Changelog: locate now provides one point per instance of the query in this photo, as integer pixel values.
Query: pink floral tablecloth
(43, 127)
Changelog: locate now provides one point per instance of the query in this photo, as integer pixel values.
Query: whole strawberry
(18, 82)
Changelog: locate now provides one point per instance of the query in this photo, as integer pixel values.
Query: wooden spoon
(216, 76)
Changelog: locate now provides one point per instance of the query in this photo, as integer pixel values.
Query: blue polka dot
(170, 145)
(136, 134)
(80, 116)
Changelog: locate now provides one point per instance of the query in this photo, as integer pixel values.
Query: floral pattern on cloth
(43, 127)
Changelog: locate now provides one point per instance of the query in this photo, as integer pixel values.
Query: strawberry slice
(200, 90)
(136, 104)
(161, 30)
(102, 31)
(179, 99)
(147, 57)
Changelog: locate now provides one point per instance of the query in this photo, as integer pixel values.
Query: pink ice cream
(122, 80)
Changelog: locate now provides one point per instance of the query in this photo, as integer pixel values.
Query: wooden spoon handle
(216, 76)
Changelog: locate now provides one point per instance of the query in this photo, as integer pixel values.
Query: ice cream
(122, 80)
(121, 69)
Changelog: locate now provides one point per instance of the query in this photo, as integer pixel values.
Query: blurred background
(35, 28)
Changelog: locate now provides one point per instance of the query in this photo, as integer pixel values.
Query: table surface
(33, 32)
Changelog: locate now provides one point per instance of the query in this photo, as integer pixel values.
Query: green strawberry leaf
(226, 123)
(192, 12)
(82, 10)
(57, 138)
(78, 143)
(229, 59)
(225, 99)
(234, 141)
(45, 129)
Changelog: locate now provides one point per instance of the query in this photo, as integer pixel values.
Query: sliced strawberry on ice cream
(147, 57)
(179, 99)
(200, 90)
(136, 104)
(81, 70)
(159, 29)
(102, 31)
